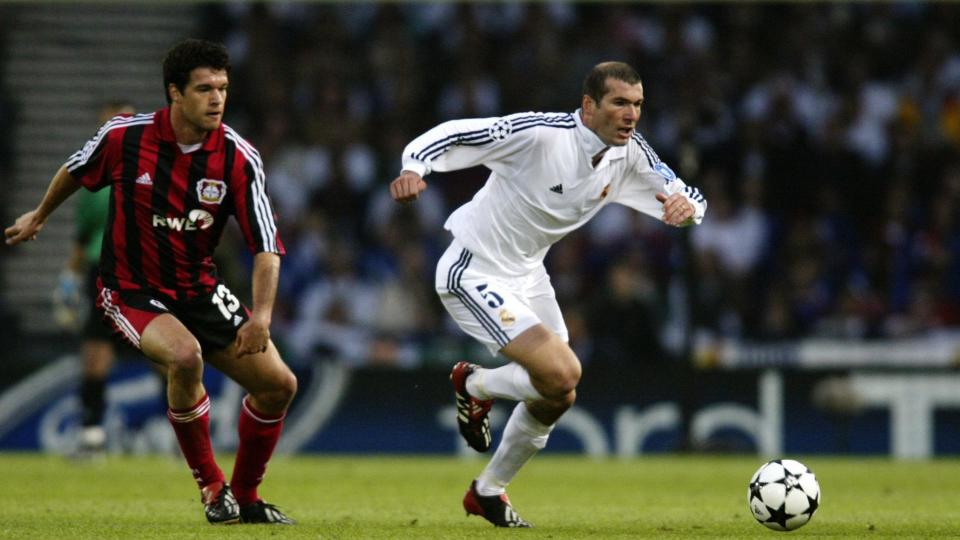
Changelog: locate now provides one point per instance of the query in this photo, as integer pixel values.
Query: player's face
(617, 114)
(203, 99)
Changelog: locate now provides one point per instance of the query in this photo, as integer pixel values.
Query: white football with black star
(783, 494)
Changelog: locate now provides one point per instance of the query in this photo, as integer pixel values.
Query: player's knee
(184, 358)
(557, 370)
(562, 403)
(568, 399)
(566, 384)
(559, 383)
(563, 379)
(572, 375)
(288, 387)
(278, 396)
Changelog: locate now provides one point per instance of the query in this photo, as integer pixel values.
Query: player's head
(195, 77)
(612, 96)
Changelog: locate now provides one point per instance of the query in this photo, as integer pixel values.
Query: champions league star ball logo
(500, 130)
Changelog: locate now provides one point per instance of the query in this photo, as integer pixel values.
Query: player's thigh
(488, 308)
(169, 343)
(257, 373)
(543, 300)
(147, 324)
(543, 350)
(547, 358)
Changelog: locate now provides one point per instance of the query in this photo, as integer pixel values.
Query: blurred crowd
(825, 136)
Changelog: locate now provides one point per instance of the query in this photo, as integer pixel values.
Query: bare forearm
(266, 275)
(61, 188)
(27, 226)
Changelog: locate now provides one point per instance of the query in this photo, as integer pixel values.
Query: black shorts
(213, 318)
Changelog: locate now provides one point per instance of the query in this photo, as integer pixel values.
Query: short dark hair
(595, 85)
(188, 55)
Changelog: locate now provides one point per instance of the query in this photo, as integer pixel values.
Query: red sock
(192, 427)
(259, 433)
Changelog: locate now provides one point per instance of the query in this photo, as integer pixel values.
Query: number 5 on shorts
(493, 299)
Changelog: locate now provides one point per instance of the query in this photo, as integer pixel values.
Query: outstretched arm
(26, 227)
(498, 143)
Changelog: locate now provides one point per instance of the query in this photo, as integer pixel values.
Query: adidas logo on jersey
(144, 179)
(557, 189)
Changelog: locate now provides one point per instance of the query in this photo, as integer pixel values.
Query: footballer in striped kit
(175, 177)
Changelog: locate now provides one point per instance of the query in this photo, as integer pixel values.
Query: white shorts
(491, 308)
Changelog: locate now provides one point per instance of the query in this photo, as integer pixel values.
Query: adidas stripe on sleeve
(494, 142)
(255, 215)
(88, 164)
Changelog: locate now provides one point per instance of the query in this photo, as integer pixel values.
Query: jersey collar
(165, 131)
(590, 144)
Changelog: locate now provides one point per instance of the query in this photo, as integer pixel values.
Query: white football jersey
(542, 184)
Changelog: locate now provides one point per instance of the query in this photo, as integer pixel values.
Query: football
(783, 494)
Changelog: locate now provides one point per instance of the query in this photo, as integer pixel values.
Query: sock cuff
(182, 416)
(261, 417)
(475, 385)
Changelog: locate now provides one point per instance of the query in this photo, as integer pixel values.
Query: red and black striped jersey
(168, 208)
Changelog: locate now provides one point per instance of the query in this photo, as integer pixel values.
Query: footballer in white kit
(550, 174)
(542, 186)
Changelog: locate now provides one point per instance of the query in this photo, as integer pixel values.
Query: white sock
(523, 437)
(507, 382)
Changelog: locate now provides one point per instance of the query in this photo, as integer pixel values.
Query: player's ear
(174, 93)
(587, 104)
(588, 109)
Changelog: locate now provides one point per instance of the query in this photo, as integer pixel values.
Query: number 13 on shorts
(227, 303)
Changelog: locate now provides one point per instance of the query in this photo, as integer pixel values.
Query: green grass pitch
(363, 497)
